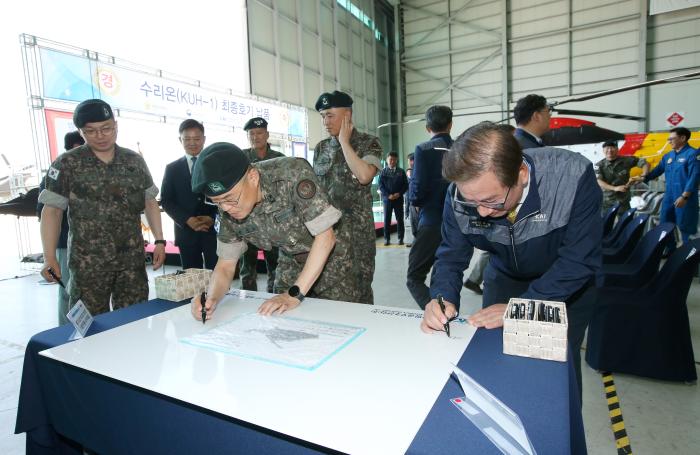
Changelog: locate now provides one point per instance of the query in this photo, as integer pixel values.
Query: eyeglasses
(459, 201)
(104, 131)
(227, 202)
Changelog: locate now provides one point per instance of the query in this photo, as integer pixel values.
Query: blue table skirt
(62, 408)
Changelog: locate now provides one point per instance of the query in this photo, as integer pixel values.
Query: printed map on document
(298, 343)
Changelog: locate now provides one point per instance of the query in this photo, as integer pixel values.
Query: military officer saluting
(613, 174)
(345, 164)
(259, 151)
(273, 203)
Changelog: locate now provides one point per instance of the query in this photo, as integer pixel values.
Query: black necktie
(194, 158)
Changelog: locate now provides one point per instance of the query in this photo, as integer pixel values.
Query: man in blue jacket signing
(536, 214)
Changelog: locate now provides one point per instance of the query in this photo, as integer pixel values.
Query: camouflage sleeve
(310, 200)
(372, 153)
(152, 192)
(57, 185)
(596, 169)
(228, 245)
(641, 162)
(150, 189)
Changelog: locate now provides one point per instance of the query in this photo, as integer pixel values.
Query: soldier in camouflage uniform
(345, 165)
(273, 203)
(259, 151)
(105, 188)
(613, 174)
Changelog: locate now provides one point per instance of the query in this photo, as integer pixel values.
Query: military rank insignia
(306, 189)
(216, 187)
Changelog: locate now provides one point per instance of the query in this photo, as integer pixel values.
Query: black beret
(91, 111)
(72, 138)
(218, 168)
(255, 122)
(335, 99)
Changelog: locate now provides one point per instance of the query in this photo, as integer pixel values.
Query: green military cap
(218, 168)
(91, 111)
(255, 122)
(335, 99)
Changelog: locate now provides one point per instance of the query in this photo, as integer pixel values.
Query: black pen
(203, 300)
(442, 308)
(58, 280)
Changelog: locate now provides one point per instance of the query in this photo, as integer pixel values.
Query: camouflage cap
(255, 122)
(218, 168)
(335, 99)
(91, 111)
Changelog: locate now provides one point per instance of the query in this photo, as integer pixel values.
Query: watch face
(293, 291)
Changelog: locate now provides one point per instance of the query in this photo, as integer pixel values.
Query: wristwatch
(295, 292)
(159, 242)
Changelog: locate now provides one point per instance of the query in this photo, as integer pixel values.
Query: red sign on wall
(675, 119)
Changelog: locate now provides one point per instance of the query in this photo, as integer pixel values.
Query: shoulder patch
(53, 173)
(306, 189)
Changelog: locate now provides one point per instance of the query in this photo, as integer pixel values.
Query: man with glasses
(532, 115)
(537, 214)
(194, 219)
(259, 150)
(274, 203)
(105, 188)
(681, 167)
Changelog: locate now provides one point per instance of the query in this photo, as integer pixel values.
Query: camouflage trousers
(336, 282)
(249, 273)
(95, 287)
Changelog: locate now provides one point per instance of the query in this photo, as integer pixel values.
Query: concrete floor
(660, 417)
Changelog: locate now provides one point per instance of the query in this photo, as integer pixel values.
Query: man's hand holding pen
(198, 311)
(434, 319)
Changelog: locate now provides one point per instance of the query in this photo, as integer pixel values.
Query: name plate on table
(81, 319)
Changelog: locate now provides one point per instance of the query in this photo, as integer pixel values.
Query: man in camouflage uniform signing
(105, 188)
(345, 164)
(259, 151)
(273, 203)
(613, 174)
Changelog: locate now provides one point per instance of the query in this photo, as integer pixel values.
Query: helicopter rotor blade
(626, 88)
(597, 114)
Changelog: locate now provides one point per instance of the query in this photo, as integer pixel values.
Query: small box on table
(183, 284)
(535, 328)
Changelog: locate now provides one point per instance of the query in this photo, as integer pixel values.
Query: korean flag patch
(53, 173)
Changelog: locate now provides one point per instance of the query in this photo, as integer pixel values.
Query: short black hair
(189, 124)
(394, 154)
(681, 131)
(527, 106)
(72, 138)
(610, 143)
(438, 118)
(411, 156)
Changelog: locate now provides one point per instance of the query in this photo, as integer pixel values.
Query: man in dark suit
(194, 219)
(532, 114)
(393, 183)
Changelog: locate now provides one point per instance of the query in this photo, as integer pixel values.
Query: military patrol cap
(255, 122)
(91, 111)
(218, 168)
(335, 99)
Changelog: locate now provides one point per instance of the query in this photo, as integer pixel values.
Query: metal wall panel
(301, 48)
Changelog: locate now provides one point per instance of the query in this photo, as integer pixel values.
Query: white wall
(203, 40)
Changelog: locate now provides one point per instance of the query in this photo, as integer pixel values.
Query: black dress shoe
(472, 286)
(400, 242)
(387, 243)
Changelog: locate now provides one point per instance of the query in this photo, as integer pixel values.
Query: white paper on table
(496, 420)
(81, 319)
(294, 342)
